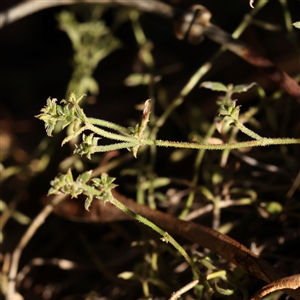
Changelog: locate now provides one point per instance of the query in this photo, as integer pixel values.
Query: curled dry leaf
(290, 282)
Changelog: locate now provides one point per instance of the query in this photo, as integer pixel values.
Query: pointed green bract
(100, 188)
(297, 24)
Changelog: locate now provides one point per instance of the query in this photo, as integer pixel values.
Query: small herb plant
(69, 113)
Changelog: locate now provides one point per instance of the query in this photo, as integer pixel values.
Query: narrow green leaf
(127, 275)
(88, 202)
(225, 292)
(156, 183)
(136, 79)
(215, 86)
(243, 87)
(206, 192)
(274, 207)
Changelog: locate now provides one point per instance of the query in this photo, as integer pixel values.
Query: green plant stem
(185, 145)
(89, 190)
(207, 66)
(112, 147)
(187, 88)
(134, 143)
(146, 56)
(111, 135)
(245, 117)
(107, 124)
(217, 274)
(248, 18)
(166, 237)
(247, 131)
(226, 152)
(197, 164)
(288, 20)
(144, 45)
(140, 193)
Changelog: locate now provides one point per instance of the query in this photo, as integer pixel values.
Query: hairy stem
(257, 143)
(166, 237)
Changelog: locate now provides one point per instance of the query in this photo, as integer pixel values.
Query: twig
(290, 282)
(36, 223)
(183, 290)
(294, 186)
(29, 7)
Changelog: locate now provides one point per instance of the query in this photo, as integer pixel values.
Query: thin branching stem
(257, 143)
(110, 135)
(194, 182)
(247, 131)
(166, 237)
(206, 67)
(107, 124)
(112, 147)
